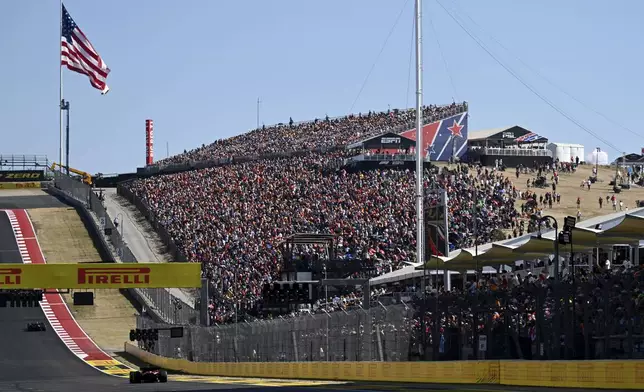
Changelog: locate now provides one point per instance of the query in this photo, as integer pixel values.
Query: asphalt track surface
(8, 248)
(29, 201)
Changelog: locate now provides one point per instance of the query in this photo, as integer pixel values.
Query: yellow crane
(85, 177)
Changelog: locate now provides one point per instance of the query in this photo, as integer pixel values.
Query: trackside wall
(568, 374)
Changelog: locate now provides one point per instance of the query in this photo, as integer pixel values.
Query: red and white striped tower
(149, 142)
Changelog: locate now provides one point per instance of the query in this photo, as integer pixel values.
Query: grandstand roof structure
(384, 141)
(485, 133)
(511, 133)
(629, 159)
(625, 227)
(619, 228)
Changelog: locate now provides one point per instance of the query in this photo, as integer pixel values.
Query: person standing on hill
(578, 202)
(601, 201)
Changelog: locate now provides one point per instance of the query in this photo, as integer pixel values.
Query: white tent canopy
(597, 158)
(567, 151)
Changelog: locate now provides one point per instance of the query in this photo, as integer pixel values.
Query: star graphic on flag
(430, 150)
(456, 129)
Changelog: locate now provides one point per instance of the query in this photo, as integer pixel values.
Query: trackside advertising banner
(21, 175)
(20, 185)
(99, 276)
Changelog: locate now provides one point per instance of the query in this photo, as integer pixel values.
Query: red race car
(148, 374)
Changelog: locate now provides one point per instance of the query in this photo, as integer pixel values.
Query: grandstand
(323, 135)
(231, 216)
(277, 197)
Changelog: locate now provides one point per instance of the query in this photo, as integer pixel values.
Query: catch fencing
(598, 318)
(159, 300)
(376, 334)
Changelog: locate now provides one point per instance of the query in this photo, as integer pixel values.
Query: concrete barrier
(569, 374)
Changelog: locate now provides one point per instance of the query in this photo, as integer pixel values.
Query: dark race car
(148, 374)
(36, 327)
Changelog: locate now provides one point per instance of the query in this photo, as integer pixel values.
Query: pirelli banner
(99, 276)
(22, 175)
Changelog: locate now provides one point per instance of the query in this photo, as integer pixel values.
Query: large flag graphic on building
(78, 54)
(444, 139)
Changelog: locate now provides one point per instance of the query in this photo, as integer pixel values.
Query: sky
(197, 68)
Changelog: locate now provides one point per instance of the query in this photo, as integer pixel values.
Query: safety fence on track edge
(166, 306)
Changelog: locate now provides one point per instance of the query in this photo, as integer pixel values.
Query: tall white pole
(420, 241)
(258, 103)
(60, 95)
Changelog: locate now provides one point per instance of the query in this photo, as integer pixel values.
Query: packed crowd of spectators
(481, 194)
(311, 135)
(233, 218)
(609, 305)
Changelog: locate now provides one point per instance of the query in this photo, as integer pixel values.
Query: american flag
(78, 54)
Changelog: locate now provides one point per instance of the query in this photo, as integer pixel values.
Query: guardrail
(23, 161)
(521, 152)
(159, 302)
(387, 157)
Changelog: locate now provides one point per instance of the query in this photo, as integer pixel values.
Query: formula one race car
(36, 327)
(148, 374)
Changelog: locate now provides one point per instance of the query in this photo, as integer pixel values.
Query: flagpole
(60, 91)
(420, 158)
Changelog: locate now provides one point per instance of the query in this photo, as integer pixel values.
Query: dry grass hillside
(64, 239)
(569, 188)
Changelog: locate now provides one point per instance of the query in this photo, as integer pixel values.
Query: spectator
(311, 135)
(232, 218)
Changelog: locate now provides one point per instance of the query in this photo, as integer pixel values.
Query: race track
(15, 200)
(9, 252)
(39, 361)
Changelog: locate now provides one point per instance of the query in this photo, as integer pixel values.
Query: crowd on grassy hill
(310, 135)
(232, 218)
